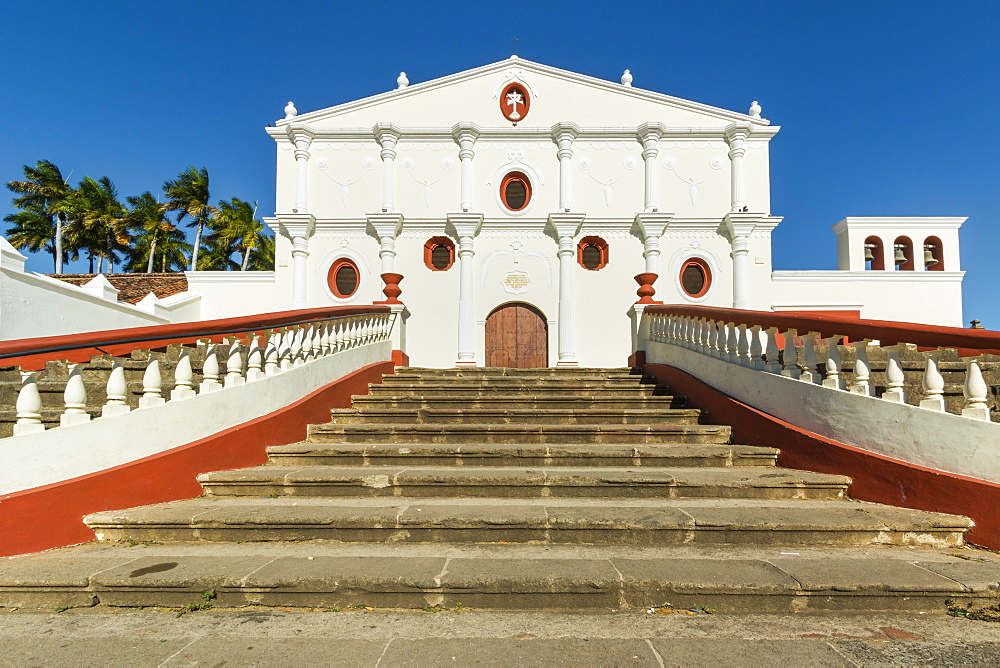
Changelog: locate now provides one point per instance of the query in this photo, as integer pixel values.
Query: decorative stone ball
(402, 81)
(755, 109)
(627, 78)
(290, 110)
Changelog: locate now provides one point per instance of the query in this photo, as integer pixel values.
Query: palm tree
(147, 218)
(217, 255)
(174, 251)
(97, 221)
(188, 194)
(238, 224)
(44, 192)
(262, 255)
(31, 228)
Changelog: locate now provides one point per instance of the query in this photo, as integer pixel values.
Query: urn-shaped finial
(290, 110)
(402, 81)
(754, 109)
(626, 78)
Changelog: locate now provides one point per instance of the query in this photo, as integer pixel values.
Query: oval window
(440, 258)
(439, 253)
(592, 253)
(696, 277)
(343, 278)
(515, 191)
(591, 257)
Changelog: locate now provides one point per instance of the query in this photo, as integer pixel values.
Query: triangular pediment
(557, 96)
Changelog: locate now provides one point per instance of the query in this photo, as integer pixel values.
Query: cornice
(837, 275)
(918, 222)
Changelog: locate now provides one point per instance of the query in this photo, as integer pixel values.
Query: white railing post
(152, 384)
(713, 338)
(894, 378)
(117, 391)
(933, 383)
(732, 343)
(773, 365)
(862, 370)
(183, 377)
(234, 365)
(284, 344)
(743, 346)
(28, 406)
(75, 399)
(210, 370)
(810, 363)
(790, 356)
(296, 350)
(834, 363)
(255, 359)
(975, 392)
(271, 353)
(756, 349)
(324, 339)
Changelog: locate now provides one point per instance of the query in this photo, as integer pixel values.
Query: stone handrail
(276, 342)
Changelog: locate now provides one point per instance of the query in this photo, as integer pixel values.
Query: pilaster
(649, 135)
(652, 226)
(465, 135)
(563, 134)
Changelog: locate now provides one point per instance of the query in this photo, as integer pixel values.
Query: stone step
(518, 433)
(500, 454)
(561, 372)
(544, 521)
(519, 416)
(487, 390)
(512, 482)
(502, 577)
(508, 400)
(530, 384)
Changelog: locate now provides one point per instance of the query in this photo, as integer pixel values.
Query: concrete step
(530, 384)
(494, 416)
(500, 454)
(490, 391)
(502, 577)
(548, 521)
(508, 400)
(517, 433)
(488, 372)
(512, 482)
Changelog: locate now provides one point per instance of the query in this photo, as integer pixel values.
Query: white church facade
(519, 202)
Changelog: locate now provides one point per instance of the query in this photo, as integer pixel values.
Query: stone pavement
(268, 636)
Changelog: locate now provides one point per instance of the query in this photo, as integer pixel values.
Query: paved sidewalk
(244, 637)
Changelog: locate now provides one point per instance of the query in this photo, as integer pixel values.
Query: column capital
(653, 224)
(465, 132)
(387, 134)
(564, 132)
(650, 132)
(465, 224)
(566, 224)
(737, 132)
(385, 224)
(291, 225)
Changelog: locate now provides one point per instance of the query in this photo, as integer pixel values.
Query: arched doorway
(517, 336)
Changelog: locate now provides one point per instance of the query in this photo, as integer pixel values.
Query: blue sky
(886, 108)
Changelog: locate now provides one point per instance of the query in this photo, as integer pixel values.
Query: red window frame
(507, 179)
(706, 271)
(506, 110)
(435, 242)
(331, 277)
(602, 247)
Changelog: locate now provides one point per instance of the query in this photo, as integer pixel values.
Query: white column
(741, 266)
(466, 226)
(566, 226)
(652, 226)
(465, 135)
(300, 252)
(387, 136)
(386, 227)
(649, 135)
(302, 142)
(563, 135)
(736, 137)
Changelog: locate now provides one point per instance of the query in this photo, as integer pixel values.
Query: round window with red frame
(343, 278)
(695, 277)
(514, 102)
(515, 191)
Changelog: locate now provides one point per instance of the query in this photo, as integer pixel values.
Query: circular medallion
(514, 102)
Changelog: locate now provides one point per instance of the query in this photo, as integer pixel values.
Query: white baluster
(862, 370)
(29, 406)
(117, 391)
(152, 386)
(810, 363)
(894, 375)
(316, 349)
(295, 351)
(773, 365)
(732, 343)
(183, 377)
(712, 348)
(337, 335)
(975, 392)
(255, 359)
(210, 370)
(284, 343)
(234, 365)
(743, 346)
(271, 353)
(756, 349)
(75, 399)
(352, 333)
(324, 338)
(833, 378)
(790, 356)
(933, 383)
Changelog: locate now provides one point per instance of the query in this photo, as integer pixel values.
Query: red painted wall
(51, 516)
(874, 477)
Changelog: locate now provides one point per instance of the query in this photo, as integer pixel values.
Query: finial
(290, 110)
(402, 81)
(754, 109)
(627, 78)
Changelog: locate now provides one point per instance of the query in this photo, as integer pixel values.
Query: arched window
(874, 254)
(439, 253)
(515, 191)
(933, 254)
(343, 278)
(696, 277)
(903, 254)
(592, 253)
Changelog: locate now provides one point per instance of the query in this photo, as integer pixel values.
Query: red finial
(646, 290)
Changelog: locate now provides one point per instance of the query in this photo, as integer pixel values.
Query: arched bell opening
(933, 254)
(902, 255)
(874, 254)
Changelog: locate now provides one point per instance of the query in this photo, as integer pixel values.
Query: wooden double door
(517, 336)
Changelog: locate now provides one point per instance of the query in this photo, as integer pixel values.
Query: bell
(929, 259)
(900, 255)
(869, 255)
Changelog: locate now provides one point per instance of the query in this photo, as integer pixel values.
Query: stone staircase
(572, 489)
